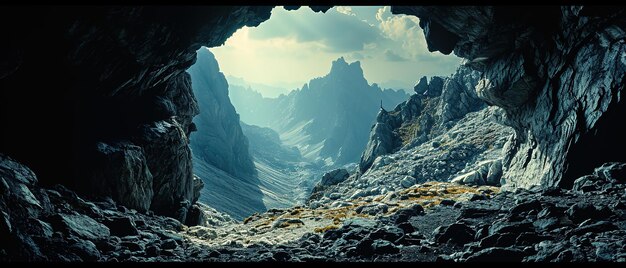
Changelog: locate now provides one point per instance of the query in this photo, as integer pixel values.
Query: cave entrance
(604, 143)
(286, 101)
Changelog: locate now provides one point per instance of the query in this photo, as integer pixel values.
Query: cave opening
(319, 139)
(296, 97)
(602, 144)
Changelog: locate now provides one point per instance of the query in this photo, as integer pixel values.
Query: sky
(293, 47)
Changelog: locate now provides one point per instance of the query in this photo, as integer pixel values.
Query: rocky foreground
(433, 221)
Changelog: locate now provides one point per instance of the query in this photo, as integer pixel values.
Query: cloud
(345, 10)
(391, 56)
(403, 29)
(300, 44)
(334, 30)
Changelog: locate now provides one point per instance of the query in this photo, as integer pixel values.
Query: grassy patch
(408, 131)
(326, 228)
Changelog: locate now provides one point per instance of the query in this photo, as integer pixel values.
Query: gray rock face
(18, 206)
(121, 172)
(169, 159)
(334, 177)
(81, 226)
(475, 140)
(219, 140)
(430, 112)
(381, 140)
(487, 173)
(558, 103)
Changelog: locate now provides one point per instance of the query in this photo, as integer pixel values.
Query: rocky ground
(474, 142)
(433, 221)
(447, 222)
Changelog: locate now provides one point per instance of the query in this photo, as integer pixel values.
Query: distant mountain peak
(340, 66)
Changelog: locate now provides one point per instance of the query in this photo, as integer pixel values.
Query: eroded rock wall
(556, 71)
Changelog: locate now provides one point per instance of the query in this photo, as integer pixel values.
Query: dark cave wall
(97, 98)
(557, 71)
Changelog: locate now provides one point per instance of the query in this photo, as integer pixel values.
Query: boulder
(383, 247)
(121, 226)
(480, 176)
(422, 86)
(372, 209)
(120, 170)
(404, 214)
(495, 173)
(334, 177)
(457, 234)
(612, 171)
(86, 250)
(582, 211)
(407, 181)
(388, 233)
(80, 225)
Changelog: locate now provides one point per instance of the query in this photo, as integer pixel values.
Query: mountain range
(328, 119)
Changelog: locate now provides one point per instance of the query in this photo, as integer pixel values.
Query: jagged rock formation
(219, 140)
(328, 118)
(434, 109)
(558, 72)
(477, 137)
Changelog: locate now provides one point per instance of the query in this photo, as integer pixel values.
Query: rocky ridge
(474, 141)
(333, 135)
(435, 107)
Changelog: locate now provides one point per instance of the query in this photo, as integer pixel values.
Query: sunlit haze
(293, 47)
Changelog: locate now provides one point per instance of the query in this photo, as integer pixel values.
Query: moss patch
(326, 228)
(408, 131)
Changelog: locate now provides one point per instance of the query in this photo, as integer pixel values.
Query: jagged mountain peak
(343, 68)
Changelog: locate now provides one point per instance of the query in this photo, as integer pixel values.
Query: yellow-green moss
(326, 228)
(408, 131)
